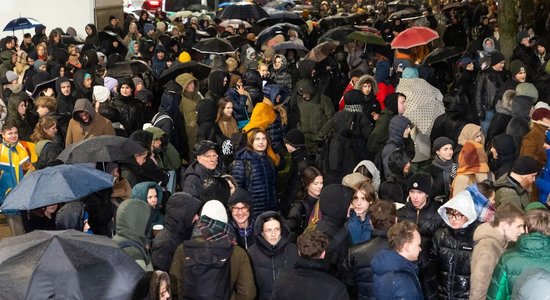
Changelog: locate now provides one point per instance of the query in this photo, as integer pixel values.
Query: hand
(240, 89)
(375, 116)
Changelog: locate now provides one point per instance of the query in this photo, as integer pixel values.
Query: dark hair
(154, 287)
(382, 214)
(221, 106)
(367, 188)
(9, 124)
(508, 213)
(308, 176)
(312, 243)
(400, 234)
(215, 188)
(486, 188)
(362, 169)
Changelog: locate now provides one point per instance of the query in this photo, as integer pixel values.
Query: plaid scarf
(485, 210)
(353, 108)
(214, 230)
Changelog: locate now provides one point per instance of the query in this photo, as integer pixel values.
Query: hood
(364, 79)
(372, 170)
(13, 103)
(487, 231)
(215, 83)
(334, 203)
(521, 106)
(70, 216)
(249, 52)
(504, 106)
(94, 29)
(83, 105)
(505, 146)
(534, 244)
(78, 80)
(132, 218)
(397, 161)
(157, 132)
(206, 112)
(469, 131)
(252, 78)
(140, 190)
(258, 229)
(185, 79)
(58, 82)
(169, 103)
(180, 211)
(462, 203)
(284, 62)
(305, 85)
(398, 124)
(488, 50)
(388, 261)
(382, 72)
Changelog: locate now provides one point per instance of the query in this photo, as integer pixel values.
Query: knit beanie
(101, 93)
(184, 57)
(420, 181)
(240, 196)
(525, 165)
(516, 66)
(38, 63)
(527, 89)
(472, 159)
(295, 138)
(496, 58)
(11, 76)
(354, 97)
(137, 80)
(522, 35)
(540, 113)
(148, 27)
(440, 142)
(110, 83)
(391, 102)
(410, 73)
(334, 202)
(215, 210)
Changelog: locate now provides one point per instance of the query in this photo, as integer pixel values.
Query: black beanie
(440, 142)
(334, 202)
(142, 137)
(496, 57)
(525, 165)
(420, 181)
(354, 97)
(295, 138)
(391, 102)
(240, 195)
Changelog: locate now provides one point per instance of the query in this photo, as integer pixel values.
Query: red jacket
(384, 90)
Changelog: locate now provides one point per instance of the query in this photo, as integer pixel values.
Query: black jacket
(298, 215)
(194, 176)
(427, 219)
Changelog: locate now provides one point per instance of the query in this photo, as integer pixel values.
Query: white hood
(462, 203)
(373, 170)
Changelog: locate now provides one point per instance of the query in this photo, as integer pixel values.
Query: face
(478, 138)
(40, 50)
(412, 249)
(513, 230)
(87, 82)
(401, 105)
(10, 135)
(114, 22)
(51, 209)
(84, 116)
(228, 109)
(140, 158)
(21, 108)
(456, 219)
(125, 90)
(527, 181)
(156, 144)
(30, 61)
(278, 63)
(263, 71)
(418, 198)
(314, 188)
(240, 213)
(89, 30)
(445, 153)
(42, 111)
(51, 131)
(43, 68)
(360, 203)
(366, 88)
(164, 293)
(541, 50)
(152, 197)
(160, 55)
(499, 67)
(272, 232)
(209, 159)
(260, 142)
(407, 168)
(521, 76)
(470, 66)
(190, 88)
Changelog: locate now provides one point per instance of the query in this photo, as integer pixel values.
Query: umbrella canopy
(321, 51)
(280, 4)
(340, 19)
(21, 23)
(235, 23)
(271, 31)
(404, 13)
(197, 7)
(367, 38)
(200, 71)
(129, 68)
(66, 265)
(238, 41)
(301, 50)
(56, 184)
(336, 34)
(214, 46)
(243, 11)
(414, 36)
(42, 86)
(281, 17)
(181, 14)
(454, 5)
(104, 148)
(109, 35)
(441, 54)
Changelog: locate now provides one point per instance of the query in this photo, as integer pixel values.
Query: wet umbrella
(129, 68)
(21, 23)
(181, 14)
(56, 184)
(367, 38)
(197, 7)
(238, 41)
(454, 5)
(42, 86)
(199, 71)
(268, 33)
(414, 36)
(399, 5)
(340, 19)
(109, 36)
(105, 148)
(281, 17)
(66, 265)
(235, 23)
(336, 34)
(280, 4)
(301, 50)
(214, 46)
(243, 11)
(441, 54)
(404, 13)
(321, 51)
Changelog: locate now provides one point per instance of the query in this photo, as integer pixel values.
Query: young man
(86, 123)
(515, 186)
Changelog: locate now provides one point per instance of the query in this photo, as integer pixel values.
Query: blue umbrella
(56, 184)
(21, 23)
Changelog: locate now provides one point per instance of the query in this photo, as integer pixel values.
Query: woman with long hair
(46, 149)
(359, 226)
(225, 119)
(301, 209)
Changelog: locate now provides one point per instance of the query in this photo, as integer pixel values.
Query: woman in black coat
(442, 169)
(301, 209)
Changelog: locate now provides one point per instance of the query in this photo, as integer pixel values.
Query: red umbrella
(414, 36)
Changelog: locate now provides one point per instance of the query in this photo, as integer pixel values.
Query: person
(190, 98)
(394, 105)
(502, 154)
(383, 215)
(530, 144)
(395, 273)
(42, 218)
(491, 239)
(205, 166)
(530, 252)
(279, 73)
(272, 255)
(443, 169)
(254, 171)
(358, 223)
(472, 167)
(46, 149)
(240, 206)
(310, 278)
(17, 111)
(159, 287)
(399, 164)
(131, 112)
(302, 208)
(371, 173)
(451, 249)
(224, 118)
(151, 193)
(399, 137)
(141, 167)
(86, 123)
(163, 152)
(210, 265)
(65, 99)
(514, 187)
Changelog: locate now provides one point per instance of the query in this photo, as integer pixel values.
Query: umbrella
(197, 7)
(399, 5)
(405, 13)
(57, 184)
(301, 50)
(321, 51)
(42, 86)
(214, 45)
(21, 23)
(367, 38)
(281, 17)
(238, 41)
(66, 265)
(340, 19)
(454, 5)
(336, 34)
(271, 31)
(366, 28)
(280, 4)
(235, 23)
(414, 36)
(129, 68)
(441, 54)
(109, 35)
(181, 14)
(200, 71)
(104, 148)
(243, 11)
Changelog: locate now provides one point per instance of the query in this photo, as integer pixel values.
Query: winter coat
(395, 277)
(528, 57)
(178, 224)
(281, 76)
(382, 76)
(358, 263)
(395, 140)
(167, 157)
(149, 171)
(543, 182)
(256, 173)
(451, 249)
(531, 143)
(427, 219)
(530, 251)
(65, 104)
(310, 280)
(518, 126)
(188, 107)
(265, 117)
(194, 176)
(15, 161)
(47, 152)
(379, 134)
(504, 144)
(370, 103)
(98, 125)
(488, 84)
(298, 162)
(140, 191)
(442, 174)
(508, 190)
(171, 120)
(271, 262)
(299, 213)
(503, 115)
(397, 179)
(450, 123)
(490, 243)
(24, 129)
(131, 112)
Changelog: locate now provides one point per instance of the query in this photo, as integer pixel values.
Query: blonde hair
(39, 132)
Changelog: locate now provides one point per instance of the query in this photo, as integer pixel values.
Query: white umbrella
(235, 23)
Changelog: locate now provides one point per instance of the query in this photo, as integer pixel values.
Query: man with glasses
(205, 166)
(515, 186)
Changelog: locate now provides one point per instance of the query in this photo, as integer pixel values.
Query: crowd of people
(355, 172)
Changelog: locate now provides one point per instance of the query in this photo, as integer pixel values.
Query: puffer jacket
(531, 251)
(398, 124)
(488, 84)
(427, 219)
(256, 173)
(281, 76)
(131, 112)
(194, 176)
(508, 190)
(270, 262)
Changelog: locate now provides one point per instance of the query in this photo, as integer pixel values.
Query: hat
(410, 73)
(472, 159)
(101, 93)
(143, 138)
(540, 113)
(527, 89)
(465, 61)
(161, 26)
(137, 80)
(232, 64)
(525, 165)
(440, 142)
(215, 210)
(295, 138)
(148, 27)
(420, 181)
(496, 58)
(517, 66)
(203, 146)
(354, 97)
(353, 179)
(11, 76)
(110, 83)
(184, 57)
(38, 63)
(542, 104)
(240, 195)
(269, 52)
(522, 35)
(535, 205)
(334, 202)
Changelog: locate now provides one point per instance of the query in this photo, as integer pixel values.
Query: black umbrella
(238, 41)
(341, 19)
(214, 46)
(129, 68)
(199, 71)
(441, 54)
(301, 50)
(197, 7)
(281, 17)
(243, 11)
(271, 31)
(454, 5)
(405, 13)
(109, 36)
(105, 148)
(65, 265)
(336, 34)
(42, 86)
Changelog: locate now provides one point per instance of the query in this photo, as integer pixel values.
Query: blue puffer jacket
(239, 105)
(256, 173)
(395, 277)
(275, 132)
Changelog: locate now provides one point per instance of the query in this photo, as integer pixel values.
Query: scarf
(354, 108)
(228, 126)
(449, 171)
(214, 230)
(485, 210)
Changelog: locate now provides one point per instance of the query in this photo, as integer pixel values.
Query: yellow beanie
(184, 57)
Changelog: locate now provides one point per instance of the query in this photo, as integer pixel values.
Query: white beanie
(101, 93)
(215, 210)
(11, 76)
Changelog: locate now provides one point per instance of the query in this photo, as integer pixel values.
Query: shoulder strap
(129, 243)
(159, 117)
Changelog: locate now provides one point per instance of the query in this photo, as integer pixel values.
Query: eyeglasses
(272, 230)
(164, 293)
(456, 216)
(236, 209)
